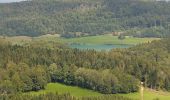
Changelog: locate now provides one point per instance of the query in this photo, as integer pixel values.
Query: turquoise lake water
(99, 47)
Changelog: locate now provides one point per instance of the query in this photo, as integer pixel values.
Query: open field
(78, 92)
(101, 39)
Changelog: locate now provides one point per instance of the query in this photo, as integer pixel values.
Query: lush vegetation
(43, 68)
(75, 18)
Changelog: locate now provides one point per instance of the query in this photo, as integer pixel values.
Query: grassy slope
(78, 92)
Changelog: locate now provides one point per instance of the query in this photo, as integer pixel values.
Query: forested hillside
(85, 17)
(31, 67)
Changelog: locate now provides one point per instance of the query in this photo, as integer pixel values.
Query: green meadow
(100, 39)
(97, 40)
(61, 88)
(80, 92)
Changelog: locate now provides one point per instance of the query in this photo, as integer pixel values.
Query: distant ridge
(88, 17)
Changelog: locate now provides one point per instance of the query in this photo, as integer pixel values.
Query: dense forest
(32, 66)
(140, 18)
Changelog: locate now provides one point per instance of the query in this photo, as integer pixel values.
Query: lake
(99, 46)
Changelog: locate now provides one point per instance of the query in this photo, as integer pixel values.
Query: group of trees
(103, 81)
(21, 78)
(66, 17)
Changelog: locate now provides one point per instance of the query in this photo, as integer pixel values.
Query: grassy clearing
(79, 92)
(60, 88)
